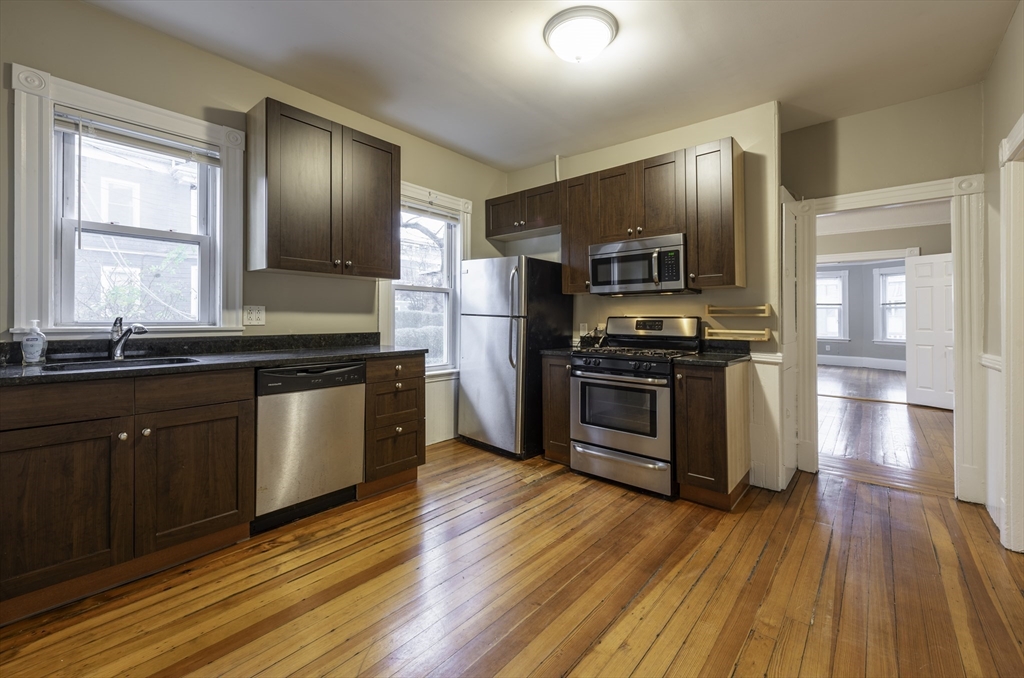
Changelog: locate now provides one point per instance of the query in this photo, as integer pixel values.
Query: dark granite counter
(561, 352)
(710, 359)
(208, 354)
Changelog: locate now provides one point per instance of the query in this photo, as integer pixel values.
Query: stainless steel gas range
(621, 400)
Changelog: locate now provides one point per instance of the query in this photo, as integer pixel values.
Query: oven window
(627, 269)
(620, 408)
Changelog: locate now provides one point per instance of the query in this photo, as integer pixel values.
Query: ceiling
(477, 77)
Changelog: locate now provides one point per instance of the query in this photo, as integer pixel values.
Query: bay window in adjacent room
(890, 305)
(833, 306)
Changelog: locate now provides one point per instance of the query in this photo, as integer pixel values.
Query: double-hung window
(832, 298)
(424, 298)
(122, 209)
(890, 305)
(135, 214)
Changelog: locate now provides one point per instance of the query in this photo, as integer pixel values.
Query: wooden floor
(862, 382)
(900, 446)
(495, 567)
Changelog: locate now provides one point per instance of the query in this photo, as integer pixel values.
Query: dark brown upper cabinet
(526, 214)
(322, 198)
(578, 219)
(715, 230)
(618, 203)
(664, 195)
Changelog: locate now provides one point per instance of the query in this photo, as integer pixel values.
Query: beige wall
(936, 239)
(84, 44)
(1004, 105)
(756, 130)
(937, 137)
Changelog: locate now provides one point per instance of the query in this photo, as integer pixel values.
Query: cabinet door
(542, 206)
(700, 430)
(618, 203)
(392, 402)
(393, 449)
(577, 223)
(302, 183)
(556, 408)
(372, 177)
(714, 215)
(664, 191)
(195, 473)
(502, 215)
(65, 502)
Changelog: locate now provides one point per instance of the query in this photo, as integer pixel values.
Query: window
(144, 214)
(833, 305)
(891, 305)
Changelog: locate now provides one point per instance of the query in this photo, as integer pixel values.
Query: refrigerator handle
(512, 290)
(511, 330)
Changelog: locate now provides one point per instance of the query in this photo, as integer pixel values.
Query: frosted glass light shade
(579, 34)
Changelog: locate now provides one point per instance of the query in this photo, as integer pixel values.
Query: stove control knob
(635, 365)
(647, 366)
(586, 361)
(597, 361)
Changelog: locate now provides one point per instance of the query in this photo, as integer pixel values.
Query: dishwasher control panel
(309, 377)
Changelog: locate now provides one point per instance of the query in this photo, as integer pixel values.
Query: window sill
(890, 342)
(833, 339)
(448, 374)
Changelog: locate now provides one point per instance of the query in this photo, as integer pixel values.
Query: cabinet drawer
(393, 449)
(391, 369)
(175, 391)
(393, 402)
(48, 404)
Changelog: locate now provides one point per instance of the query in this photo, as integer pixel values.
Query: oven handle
(651, 381)
(654, 465)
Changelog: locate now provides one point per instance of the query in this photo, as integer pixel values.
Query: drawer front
(175, 391)
(393, 449)
(394, 369)
(393, 402)
(64, 403)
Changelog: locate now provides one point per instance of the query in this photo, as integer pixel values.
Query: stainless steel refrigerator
(512, 308)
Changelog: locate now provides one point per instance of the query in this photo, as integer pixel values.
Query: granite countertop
(711, 359)
(17, 375)
(563, 352)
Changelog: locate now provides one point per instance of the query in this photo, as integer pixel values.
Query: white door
(930, 330)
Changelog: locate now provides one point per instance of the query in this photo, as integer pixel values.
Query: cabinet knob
(639, 230)
(587, 284)
(147, 432)
(629, 231)
(679, 377)
(398, 429)
(693, 276)
(337, 262)
(568, 367)
(348, 264)
(122, 436)
(398, 385)
(398, 368)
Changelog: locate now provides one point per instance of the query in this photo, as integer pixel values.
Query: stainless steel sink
(106, 365)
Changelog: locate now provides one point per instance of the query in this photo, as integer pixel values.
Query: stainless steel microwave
(640, 266)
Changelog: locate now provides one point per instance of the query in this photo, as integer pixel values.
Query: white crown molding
(1012, 147)
(24, 79)
(928, 190)
(911, 215)
(992, 362)
(877, 255)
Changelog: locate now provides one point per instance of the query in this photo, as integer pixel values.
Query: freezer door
(493, 286)
(491, 381)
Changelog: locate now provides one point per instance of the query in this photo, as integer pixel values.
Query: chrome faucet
(118, 337)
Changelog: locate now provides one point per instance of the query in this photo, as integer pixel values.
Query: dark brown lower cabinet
(392, 449)
(392, 402)
(65, 502)
(194, 473)
(556, 384)
(712, 440)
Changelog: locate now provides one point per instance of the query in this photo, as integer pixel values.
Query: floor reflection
(862, 382)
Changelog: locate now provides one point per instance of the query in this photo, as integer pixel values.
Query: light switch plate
(254, 315)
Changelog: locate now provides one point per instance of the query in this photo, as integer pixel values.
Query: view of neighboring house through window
(424, 304)
(148, 211)
(833, 307)
(891, 315)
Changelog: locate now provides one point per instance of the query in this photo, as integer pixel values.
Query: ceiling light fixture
(579, 34)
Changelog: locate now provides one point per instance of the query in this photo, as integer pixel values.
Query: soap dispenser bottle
(33, 346)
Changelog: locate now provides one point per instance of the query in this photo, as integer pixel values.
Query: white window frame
(844, 311)
(36, 236)
(432, 200)
(880, 338)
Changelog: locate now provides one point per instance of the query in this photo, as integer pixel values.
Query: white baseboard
(856, 361)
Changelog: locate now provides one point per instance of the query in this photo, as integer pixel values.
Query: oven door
(632, 414)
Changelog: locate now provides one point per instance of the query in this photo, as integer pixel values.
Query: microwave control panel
(668, 263)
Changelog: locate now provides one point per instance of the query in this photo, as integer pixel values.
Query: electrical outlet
(828, 347)
(254, 315)
(583, 329)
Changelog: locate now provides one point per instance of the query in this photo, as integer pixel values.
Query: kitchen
(310, 304)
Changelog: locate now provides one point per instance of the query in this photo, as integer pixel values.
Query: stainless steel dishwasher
(309, 440)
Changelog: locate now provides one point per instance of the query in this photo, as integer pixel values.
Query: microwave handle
(654, 266)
